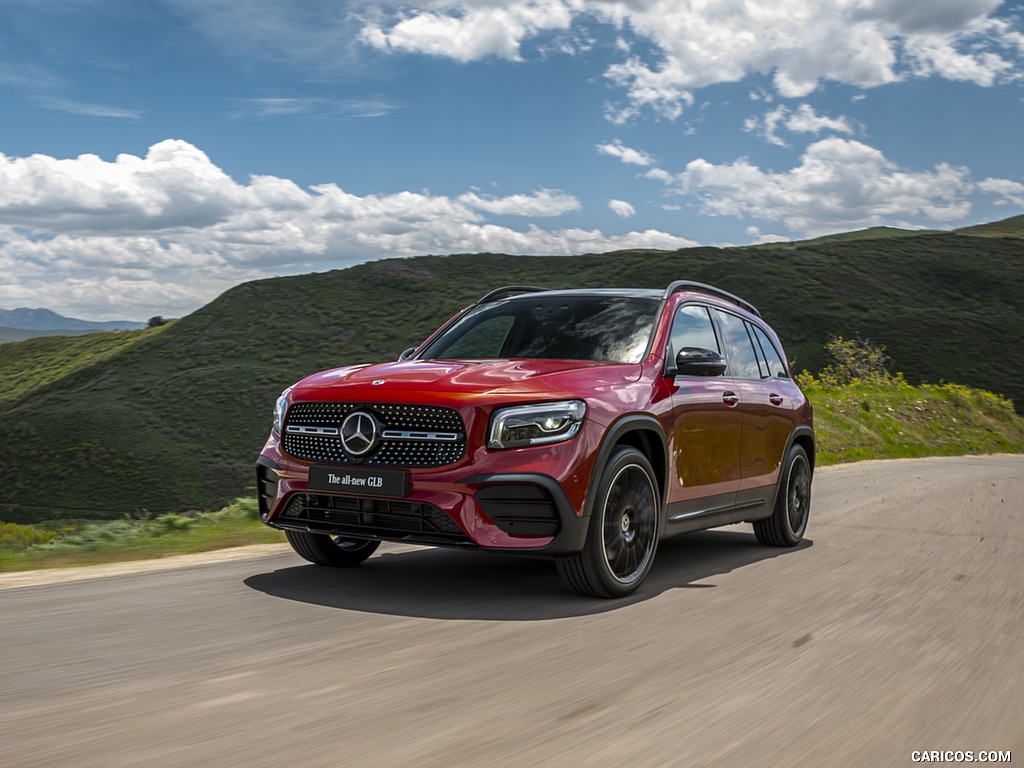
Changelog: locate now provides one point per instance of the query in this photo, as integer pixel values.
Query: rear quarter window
(739, 348)
(776, 368)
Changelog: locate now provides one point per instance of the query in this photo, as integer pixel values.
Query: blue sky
(153, 154)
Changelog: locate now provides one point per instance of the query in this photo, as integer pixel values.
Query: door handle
(775, 399)
(731, 399)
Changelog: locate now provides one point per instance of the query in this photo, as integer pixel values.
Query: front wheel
(333, 551)
(623, 533)
(786, 526)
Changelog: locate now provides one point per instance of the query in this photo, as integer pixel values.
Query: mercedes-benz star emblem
(359, 433)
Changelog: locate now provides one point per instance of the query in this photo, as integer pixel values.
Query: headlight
(280, 408)
(540, 424)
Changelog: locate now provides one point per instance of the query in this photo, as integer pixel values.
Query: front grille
(411, 435)
(392, 519)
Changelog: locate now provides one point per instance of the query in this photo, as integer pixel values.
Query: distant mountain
(20, 334)
(44, 320)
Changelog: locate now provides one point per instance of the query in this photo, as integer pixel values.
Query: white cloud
(90, 110)
(291, 106)
(626, 154)
(314, 36)
(622, 208)
(546, 202)
(760, 238)
(164, 233)
(470, 31)
(806, 120)
(935, 16)
(673, 47)
(802, 120)
(939, 55)
(1008, 192)
(839, 185)
(659, 174)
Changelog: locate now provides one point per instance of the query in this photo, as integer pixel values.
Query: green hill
(173, 417)
(1012, 227)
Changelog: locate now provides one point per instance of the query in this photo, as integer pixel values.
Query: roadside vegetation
(861, 411)
(69, 542)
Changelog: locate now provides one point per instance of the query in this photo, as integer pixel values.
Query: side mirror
(406, 354)
(695, 361)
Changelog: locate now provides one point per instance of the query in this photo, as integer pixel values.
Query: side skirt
(743, 507)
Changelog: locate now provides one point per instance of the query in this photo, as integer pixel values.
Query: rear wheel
(334, 551)
(623, 533)
(786, 526)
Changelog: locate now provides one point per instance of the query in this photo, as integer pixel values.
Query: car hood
(462, 378)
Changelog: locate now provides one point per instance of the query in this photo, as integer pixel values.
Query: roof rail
(507, 290)
(683, 285)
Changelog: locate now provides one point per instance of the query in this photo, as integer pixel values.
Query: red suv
(580, 425)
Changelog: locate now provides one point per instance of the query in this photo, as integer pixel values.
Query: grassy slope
(1012, 227)
(174, 417)
(897, 420)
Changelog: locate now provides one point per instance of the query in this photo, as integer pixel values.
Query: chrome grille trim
(397, 434)
(294, 429)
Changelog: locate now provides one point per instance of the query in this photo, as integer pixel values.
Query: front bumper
(499, 502)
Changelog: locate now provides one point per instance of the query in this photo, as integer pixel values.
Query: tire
(623, 534)
(333, 551)
(786, 526)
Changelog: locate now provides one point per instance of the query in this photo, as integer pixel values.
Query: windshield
(607, 328)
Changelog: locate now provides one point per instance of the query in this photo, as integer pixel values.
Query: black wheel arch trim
(801, 431)
(635, 422)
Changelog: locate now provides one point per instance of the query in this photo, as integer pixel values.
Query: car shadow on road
(447, 584)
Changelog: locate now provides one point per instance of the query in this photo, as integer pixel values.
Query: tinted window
(615, 329)
(692, 328)
(776, 368)
(739, 350)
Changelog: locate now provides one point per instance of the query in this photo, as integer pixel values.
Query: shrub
(18, 538)
(171, 523)
(855, 360)
(242, 509)
(93, 536)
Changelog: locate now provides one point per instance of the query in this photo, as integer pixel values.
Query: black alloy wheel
(788, 523)
(623, 534)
